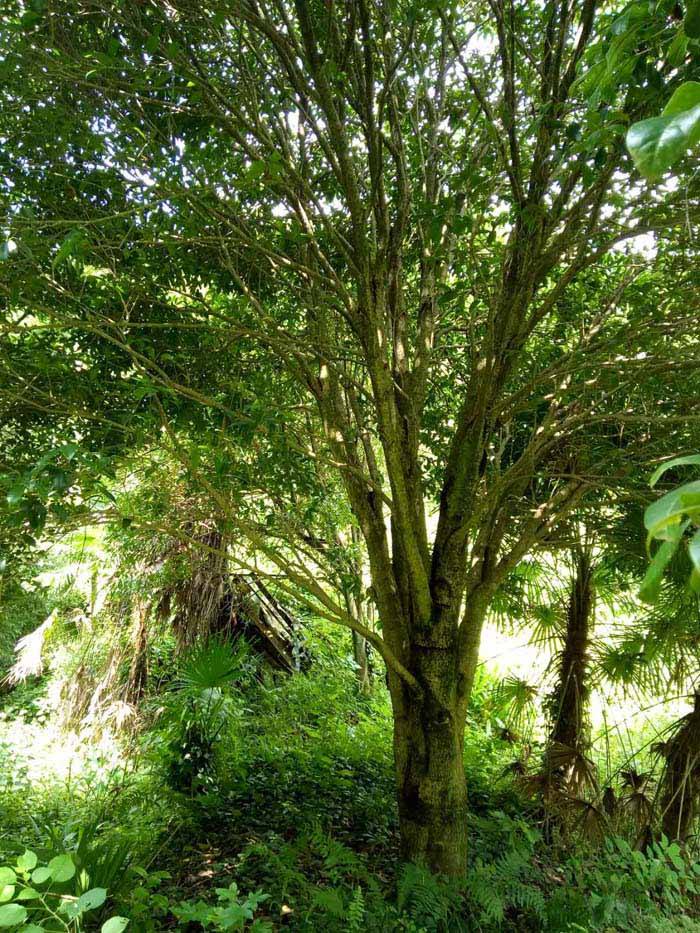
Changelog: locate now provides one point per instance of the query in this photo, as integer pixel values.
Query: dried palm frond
(29, 650)
(662, 748)
(517, 768)
(197, 597)
(639, 805)
(610, 802)
(537, 785)
(569, 766)
(635, 780)
(636, 798)
(645, 838)
(589, 818)
(680, 782)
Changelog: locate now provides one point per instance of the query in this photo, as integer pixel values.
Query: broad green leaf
(41, 874)
(11, 915)
(27, 861)
(695, 580)
(634, 14)
(61, 868)
(6, 893)
(70, 909)
(691, 22)
(656, 144)
(694, 550)
(670, 508)
(672, 464)
(677, 50)
(7, 876)
(114, 925)
(92, 899)
(684, 98)
(27, 894)
(69, 450)
(651, 583)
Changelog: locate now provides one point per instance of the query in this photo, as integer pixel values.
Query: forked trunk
(431, 784)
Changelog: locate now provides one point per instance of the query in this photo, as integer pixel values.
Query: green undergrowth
(285, 819)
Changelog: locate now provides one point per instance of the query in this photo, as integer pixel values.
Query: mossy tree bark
(431, 784)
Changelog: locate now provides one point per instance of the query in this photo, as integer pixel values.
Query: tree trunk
(359, 651)
(431, 785)
(681, 780)
(360, 609)
(138, 672)
(568, 702)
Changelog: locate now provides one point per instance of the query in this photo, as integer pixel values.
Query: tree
(409, 212)
(565, 760)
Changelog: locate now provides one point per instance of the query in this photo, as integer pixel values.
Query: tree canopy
(382, 266)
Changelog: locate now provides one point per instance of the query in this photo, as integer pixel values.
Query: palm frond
(214, 665)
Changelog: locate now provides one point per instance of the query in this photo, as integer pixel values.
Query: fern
(330, 900)
(432, 903)
(356, 911)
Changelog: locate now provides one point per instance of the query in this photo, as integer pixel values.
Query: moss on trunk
(431, 784)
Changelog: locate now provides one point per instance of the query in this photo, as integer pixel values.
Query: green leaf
(15, 495)
(7, 876)
(92, 899)
(672, 464)
(694, 550)
(695, 581)
(114, 925)
(656, 144)
(27, 861)
(69, 450)
(27, 894)
(677, 50)
(691, 22)
(61, 868)
(256, 170)
(69, 908)
(651, 583)
(41, 874)
(660, 516)
(11, 915)
(6, 893)
(73, 244)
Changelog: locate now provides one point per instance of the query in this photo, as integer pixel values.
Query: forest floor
(297, 811)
